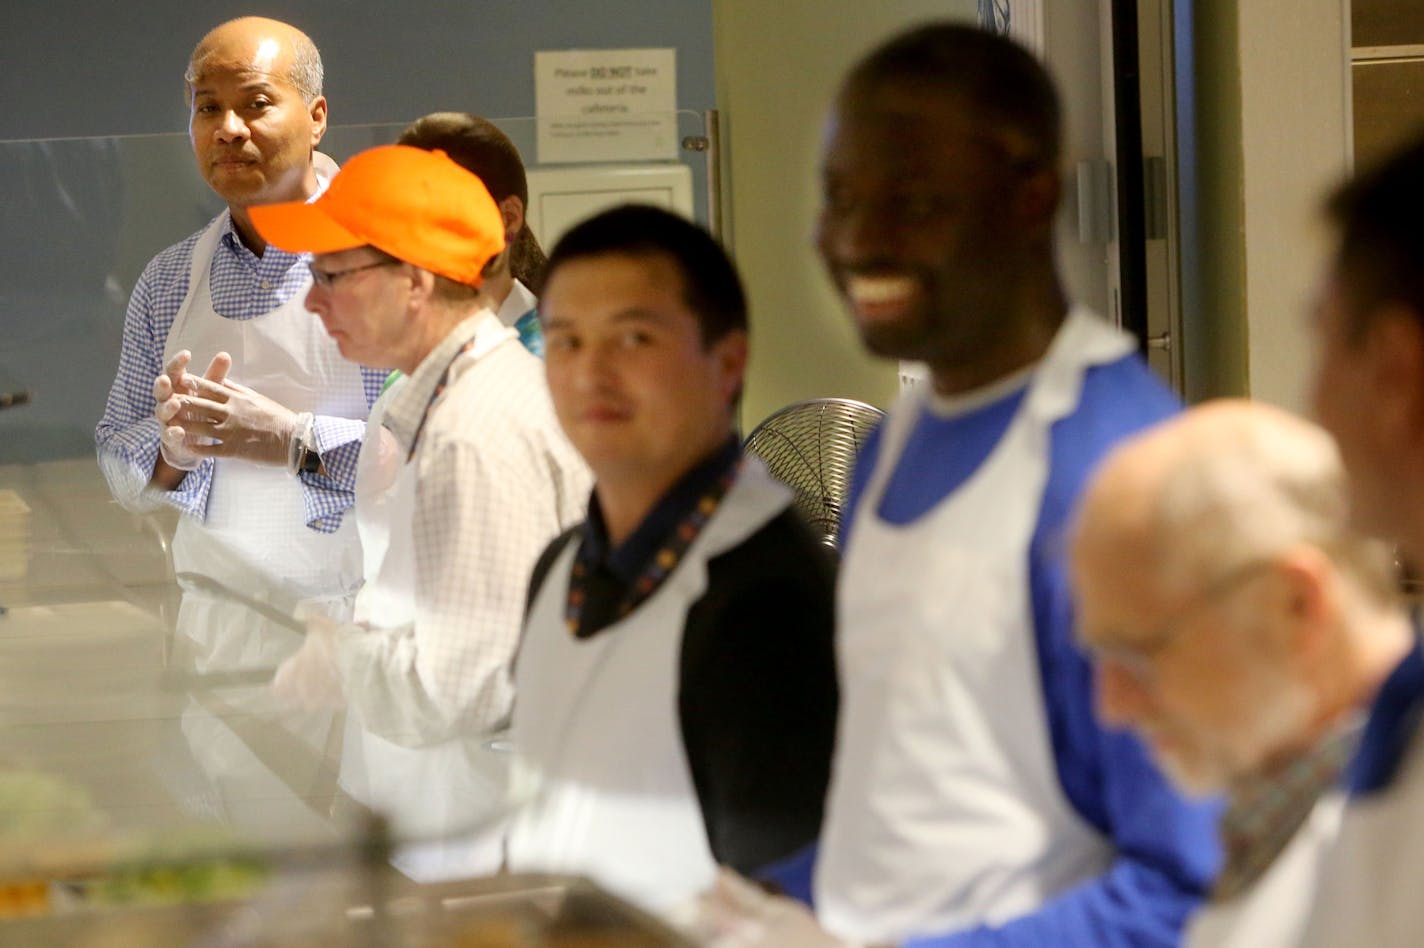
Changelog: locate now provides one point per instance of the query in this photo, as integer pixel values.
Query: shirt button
(266, 284)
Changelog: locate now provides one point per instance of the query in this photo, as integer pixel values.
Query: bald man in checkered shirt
(259, 452)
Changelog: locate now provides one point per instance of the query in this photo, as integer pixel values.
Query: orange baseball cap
(416, 205)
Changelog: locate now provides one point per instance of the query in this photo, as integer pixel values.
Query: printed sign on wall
(606, 105)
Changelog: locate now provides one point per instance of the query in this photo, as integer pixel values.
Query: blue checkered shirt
(244, 286)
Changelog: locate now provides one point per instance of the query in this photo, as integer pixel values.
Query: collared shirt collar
(273, 258)
(1394, 719)
(408, 406)
(626, 562)
(518, 303)
(1266, 811)
(272, 255)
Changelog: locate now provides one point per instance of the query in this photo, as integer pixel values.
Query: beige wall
(1295, 118)
(778, 65)
(1273, 123)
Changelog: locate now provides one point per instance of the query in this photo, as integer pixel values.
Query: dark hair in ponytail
(479, 146)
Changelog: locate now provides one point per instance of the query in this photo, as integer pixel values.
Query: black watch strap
(310, 462)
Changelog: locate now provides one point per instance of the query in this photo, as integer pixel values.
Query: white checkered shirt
(244, 286)
(496, 480)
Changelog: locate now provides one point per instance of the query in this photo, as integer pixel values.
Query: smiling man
(459, 489)
(259, 454)
(677, 692)
(975, 799)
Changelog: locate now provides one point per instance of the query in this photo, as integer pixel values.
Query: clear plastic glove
(231, 420)
(737, 913)
(310, 679)
(175, 443)
(173, 448)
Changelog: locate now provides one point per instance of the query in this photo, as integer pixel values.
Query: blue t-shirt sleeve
(1126, 907)
(1166, 850)
(794, 874)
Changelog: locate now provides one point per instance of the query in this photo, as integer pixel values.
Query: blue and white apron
(597, 727)
(945, 809)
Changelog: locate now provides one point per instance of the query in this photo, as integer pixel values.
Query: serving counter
(147, 798)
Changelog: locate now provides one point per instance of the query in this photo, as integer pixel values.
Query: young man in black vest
(676, 683)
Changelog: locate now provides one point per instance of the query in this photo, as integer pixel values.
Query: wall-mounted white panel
(561, 197)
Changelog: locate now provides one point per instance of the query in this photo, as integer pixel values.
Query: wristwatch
(308, 462)
(301, 457)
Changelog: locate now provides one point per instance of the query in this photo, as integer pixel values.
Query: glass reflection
(136, 733)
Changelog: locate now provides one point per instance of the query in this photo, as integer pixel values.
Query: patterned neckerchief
(656, 570)
(439, 387)
(1266, 812)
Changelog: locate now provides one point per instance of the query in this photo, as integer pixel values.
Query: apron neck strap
(439, 387)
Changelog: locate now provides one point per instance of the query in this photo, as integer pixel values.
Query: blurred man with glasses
(1241, 628)
(258, 452)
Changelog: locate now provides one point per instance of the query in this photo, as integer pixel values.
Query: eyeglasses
(1139, 659)
(327, 278)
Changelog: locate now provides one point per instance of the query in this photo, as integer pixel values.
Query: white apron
(432, 796)
(1367, 883)
(385, 508)
(596, 727)
(516, 304)
(945, 809)
(255, 540)
(1272, 912)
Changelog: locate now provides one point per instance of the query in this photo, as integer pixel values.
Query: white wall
(1077, 54)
